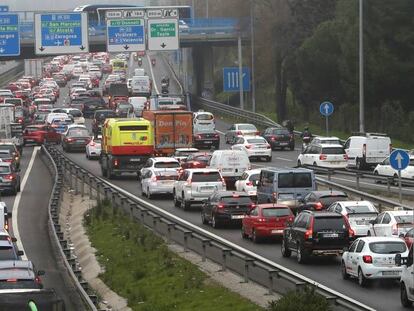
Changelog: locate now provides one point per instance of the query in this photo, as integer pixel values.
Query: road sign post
(162, 25)
(232, 81)
(61, 33)
(326, 109)
(399, 160)
(125, 30)
(9, 35)
(4, 8)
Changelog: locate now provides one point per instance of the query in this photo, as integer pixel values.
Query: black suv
(226, 207)
(321, 200)
(279, 138)
(316, 233)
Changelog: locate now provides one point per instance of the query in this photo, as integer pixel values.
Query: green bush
(301, 300)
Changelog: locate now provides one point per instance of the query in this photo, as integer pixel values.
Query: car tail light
(220, 205)
(115, 162)
(345, 157)
(11, 280)
(216, 135)
(9, 177)
(322, 157)
(261, 219)
(252, 206)
(7, 160)
(268, 146)
(248, 146)
(239, 133)
(273, 138)
(249, 183)
(351, 232)
(318, 206)
(198, 136)
(290, 219)
(364, 150)
(6, 226)
(154, 178)
(309, 232)
(69, 140)
(367, 258)
(38, 280)
(257, 133)
(394, 229)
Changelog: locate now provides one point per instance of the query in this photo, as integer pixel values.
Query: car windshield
(236, 200)
(7, 253)
(247, 127)
(404, 219)
(205, 116)
(203, 159)
(333, 150)
(166, 164)
(19, 284)
(206, 177)
(78, 132)
(256, 141)
(295, 180)
(329, 223)
(360, 209)
(387, 247)
(276, 212)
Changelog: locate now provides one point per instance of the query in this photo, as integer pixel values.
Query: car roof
(371, 239)
(400, 213)
(330, 145)
(319, 214)
(353, 203)
(272, 205)
(253, 136)
(253, 171)
(201, 170)
(5, 163)
(288, 169)
(16, 269)
(233, 193)
(164, 159)
(327, 138)
(326, 193)
(244, 124)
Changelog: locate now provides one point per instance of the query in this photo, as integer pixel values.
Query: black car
(46, 299)
(279, 138)
(9, 177)
(316, 233)
(226, 207)
(124, 109)
(99, 118)
(93, 104)
(75, 138)
(206, 140)
(320, 200)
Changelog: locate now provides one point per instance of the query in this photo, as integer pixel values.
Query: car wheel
(292, 148)
(283, 148)
(362, 281)
(176, 202)
(203, 218)
(185, 204)
(14, 191)
(301, 255)
(18, 187)
(243, 233)
(286, 252)
(269, 159)
(369, 233)
(255, 238)
(143, 194)
(149, 195)
(215, 223)
(315, 164)
(299, 163)
(359, 164)
(345, 274)
(376, 175)
(405, 302)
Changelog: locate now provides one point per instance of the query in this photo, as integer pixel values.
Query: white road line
(220, 132)
(17, 201)
(154, 82)
(284, 159)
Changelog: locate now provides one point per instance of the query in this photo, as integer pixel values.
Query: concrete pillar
(203, 62)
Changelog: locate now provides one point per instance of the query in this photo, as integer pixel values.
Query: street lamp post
(361, 68)
(253, 56)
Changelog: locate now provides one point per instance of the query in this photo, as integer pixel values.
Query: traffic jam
(116, 117)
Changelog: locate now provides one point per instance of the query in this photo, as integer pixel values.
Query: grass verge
(139, 267)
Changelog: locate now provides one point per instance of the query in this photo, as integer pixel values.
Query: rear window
(133, 128)
(10, 148)
(34, 129)
(247, 127)
(7, 253)
(170, 175)
(206, 177)
(236, 200)
(328, 200)
(404, 219)
(329, 223)
(256, 141)
(280, 132)
(166, 165)
(295, 180)
(333, 150)
(387, 247)
(205, 117)
(22, 284)
(276, 212)
(360, 209)
(78, 132)
(75, 113)
(4, 169)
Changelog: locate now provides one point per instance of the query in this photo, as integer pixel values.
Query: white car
(332, 140)
(407, 280)
(358, 213)
(248, 182)
(160, 163)
(76, 114)
(158, 181)
(392, 223)
(373, 258)
(384, 168)
(196, 185)
(254, 146)
(324, 155)
(240, 129)
(94, 148)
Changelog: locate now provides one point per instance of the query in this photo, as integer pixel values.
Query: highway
(380, 295)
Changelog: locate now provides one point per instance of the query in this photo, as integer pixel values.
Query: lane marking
(284, 159)
(17, 202)
(220, 132)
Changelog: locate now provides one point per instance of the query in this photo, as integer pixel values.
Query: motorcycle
(153, 62)
(306, 141)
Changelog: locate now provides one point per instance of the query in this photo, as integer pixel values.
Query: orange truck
(126, 146)
(172, 130)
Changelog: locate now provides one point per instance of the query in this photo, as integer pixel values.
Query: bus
(119, 64)
(97, 12)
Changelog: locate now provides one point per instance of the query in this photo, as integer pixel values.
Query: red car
(196, 160)
(409, 237)
(266, 221)
(38, 134)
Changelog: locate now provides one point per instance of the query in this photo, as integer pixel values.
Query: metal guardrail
(12, 74)
(250, 265)
(88, 297)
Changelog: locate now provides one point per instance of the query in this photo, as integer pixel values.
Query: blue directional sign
(4, 8)
(61, 33)
(9, 35)
(326, 109)
(125, 34)
(399, 159)
(231, 79)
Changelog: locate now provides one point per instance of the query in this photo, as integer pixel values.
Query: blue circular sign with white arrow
(399, 160)
(326, 109)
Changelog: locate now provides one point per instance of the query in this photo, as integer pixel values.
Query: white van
(367, 149)
(141, 86)
(203, 122)
(139, 72)
(230, 163)
(138, 103)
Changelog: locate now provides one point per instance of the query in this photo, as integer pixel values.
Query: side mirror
(20, 253)
(14, 240)
(398, 260)
(41, 272)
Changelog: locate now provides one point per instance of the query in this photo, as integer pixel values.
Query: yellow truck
(126, 146)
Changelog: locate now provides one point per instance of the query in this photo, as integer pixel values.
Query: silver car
(158, 181)
(240, 129)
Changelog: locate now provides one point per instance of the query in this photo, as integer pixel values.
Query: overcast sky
(38, 5)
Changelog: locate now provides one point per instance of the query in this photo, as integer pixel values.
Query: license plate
(237, 216)
(208, 142)
(80, 141)
(277, 231)
(330, 235)
(283, 144)
(390, 272)
(206, 188)
(29, 140)
(135, 160)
